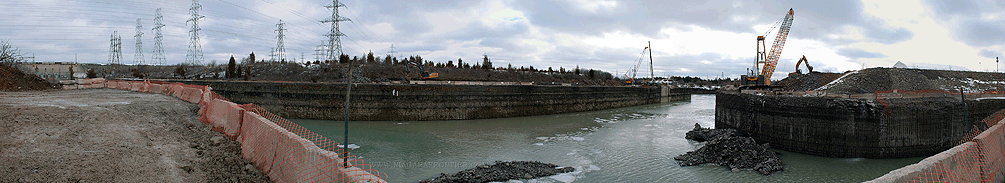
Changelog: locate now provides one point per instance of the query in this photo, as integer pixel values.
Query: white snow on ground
(836, 81)
(578, 138)
(991, 98)
(563, 177)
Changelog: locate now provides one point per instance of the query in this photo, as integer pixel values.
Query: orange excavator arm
(801, 61)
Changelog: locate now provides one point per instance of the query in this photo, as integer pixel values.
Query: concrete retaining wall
(380, 102)
(850, 127)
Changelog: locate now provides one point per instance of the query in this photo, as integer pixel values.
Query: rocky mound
(503, 171)
(808, 81)
(727, 149)
(12, 79)
(705, 134)
(884, 79)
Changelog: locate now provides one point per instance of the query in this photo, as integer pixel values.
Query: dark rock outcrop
(502, 171)
(727, 149)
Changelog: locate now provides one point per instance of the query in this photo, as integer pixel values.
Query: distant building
(56, 70)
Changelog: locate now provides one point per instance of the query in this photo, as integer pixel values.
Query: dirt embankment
(106, 135)
(12, 79)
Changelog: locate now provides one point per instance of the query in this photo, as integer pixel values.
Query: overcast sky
(689, 38)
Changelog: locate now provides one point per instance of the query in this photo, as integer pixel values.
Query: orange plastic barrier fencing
(155, 88)
(990, 145)
(122, 85)
(225, 117)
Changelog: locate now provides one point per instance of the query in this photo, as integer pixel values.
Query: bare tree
(9, 54)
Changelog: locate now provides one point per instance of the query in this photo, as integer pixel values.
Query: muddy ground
(107, 135)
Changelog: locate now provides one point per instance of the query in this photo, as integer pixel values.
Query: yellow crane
(767, 61)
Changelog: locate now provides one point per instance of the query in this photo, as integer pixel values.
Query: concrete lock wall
(380, 102)
(848, 127)
(282, 155)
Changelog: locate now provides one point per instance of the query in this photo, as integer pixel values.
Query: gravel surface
(884, 79)
(503, 171)
(808, 81)
(107, 135)
(735, 152)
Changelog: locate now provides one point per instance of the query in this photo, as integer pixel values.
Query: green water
(635, 144)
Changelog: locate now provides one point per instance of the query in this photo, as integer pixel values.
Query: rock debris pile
(726, 148)
(884, 79)
(503, 171)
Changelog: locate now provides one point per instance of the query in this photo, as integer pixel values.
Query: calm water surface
(635, 144)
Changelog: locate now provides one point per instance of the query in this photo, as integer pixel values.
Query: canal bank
(390, 102)
(632, 144)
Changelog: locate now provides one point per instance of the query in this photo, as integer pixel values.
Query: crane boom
(776, 47)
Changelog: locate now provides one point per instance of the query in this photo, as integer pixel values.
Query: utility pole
(138, 56)
(334, 37)
(194, 56)
(158, 52)
(115, 49)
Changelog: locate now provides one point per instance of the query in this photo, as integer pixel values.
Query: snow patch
(351, 146)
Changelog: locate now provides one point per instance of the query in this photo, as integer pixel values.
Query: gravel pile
(729, 150)
(503, 171)
(808, 81)
(884, 79)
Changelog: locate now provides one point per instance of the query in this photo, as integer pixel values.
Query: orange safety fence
(980, 157)
(283, 150)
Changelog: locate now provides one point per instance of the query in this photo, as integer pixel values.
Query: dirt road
(107, 135)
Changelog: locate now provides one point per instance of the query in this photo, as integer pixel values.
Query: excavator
(809, 68)
(761, 78)
(423, 74)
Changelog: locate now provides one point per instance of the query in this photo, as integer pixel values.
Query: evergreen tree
(231, 67)
(486, 63)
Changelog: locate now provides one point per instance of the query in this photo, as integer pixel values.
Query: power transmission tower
(391, 51)
(115, 49)
(319, 51)
(280, 52)
(158, 52)
(334, 37)
(138, 56)
(194, 56)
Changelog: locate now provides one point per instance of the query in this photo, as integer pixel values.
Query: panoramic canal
(635, 144)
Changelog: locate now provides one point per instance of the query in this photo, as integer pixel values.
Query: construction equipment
(766, 62)
(423, 74)
(809, 68)
(638, 63)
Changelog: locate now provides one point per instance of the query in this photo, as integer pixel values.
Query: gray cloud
(859, 53)
(989, 54)
(966, 20)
